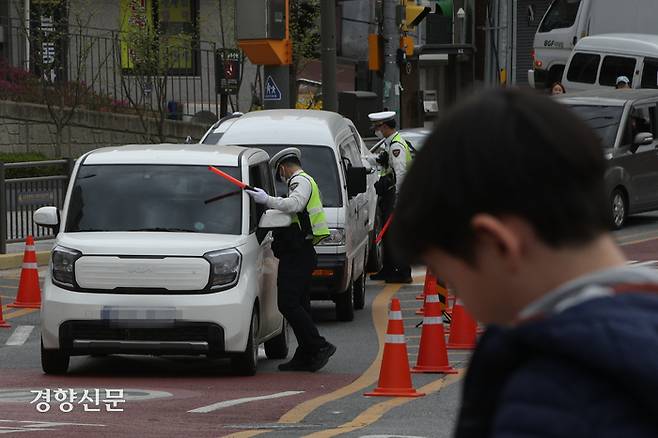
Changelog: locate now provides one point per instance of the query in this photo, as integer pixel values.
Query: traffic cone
(430, 281)
(463, 329)
(3, 323)
(432, 355)
(394, 375)
(29, 292)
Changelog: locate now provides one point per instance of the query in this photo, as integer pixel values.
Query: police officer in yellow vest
(395, 160)
(294, 247)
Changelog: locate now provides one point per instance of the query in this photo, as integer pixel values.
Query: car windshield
(165, 198)
(320, 163)
(604, 120)
(562, 14)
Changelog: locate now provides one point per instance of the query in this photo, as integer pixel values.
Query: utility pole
(328, 29)
(391, 69)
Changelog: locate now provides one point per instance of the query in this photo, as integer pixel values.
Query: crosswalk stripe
(20, 335)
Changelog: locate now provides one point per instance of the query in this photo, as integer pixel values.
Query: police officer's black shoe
(295, 365)
(322, 357)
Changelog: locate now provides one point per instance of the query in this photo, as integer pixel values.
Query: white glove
(260, 196)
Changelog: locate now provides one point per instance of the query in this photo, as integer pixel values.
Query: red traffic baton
(380, 236)
(230, 179)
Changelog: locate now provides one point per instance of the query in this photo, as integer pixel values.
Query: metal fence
(104, 62)
(21, 197)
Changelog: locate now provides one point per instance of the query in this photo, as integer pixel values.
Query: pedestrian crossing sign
(272, 92)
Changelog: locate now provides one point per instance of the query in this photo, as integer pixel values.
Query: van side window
(350, 153)
(615, 66)
(650, 73)
(583, 68)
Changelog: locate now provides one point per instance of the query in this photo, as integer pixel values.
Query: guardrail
(21, 197)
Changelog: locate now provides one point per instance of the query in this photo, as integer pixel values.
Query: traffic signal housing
(413, 14)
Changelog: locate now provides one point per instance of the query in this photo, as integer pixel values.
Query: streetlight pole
(328, 29)
(391, 69)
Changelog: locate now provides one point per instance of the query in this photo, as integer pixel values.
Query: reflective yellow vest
(397, 138)
(317, 218)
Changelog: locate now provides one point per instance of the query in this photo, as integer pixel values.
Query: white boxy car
(334, 154)
(157, 255)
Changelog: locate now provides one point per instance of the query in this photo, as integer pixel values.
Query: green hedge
(29, 172)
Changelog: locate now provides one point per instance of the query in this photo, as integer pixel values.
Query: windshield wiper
(165, 230)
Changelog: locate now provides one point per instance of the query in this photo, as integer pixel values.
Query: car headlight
(224, 268)
(63, 265)
(336, 238)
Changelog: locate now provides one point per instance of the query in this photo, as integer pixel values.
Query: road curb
(14, 261)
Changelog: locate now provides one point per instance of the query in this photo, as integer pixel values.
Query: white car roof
(630, 43)
(186, 154)
(295, 127)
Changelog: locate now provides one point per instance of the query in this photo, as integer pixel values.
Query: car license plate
(114, 313)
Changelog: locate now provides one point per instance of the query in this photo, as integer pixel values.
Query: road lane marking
(20, 312)
(20, 335)
(376, 411)
(368, 378)
(241, 401)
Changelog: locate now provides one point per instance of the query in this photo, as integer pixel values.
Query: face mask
(379, 134)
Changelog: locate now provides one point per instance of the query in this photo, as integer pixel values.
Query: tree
(147, 56)
(306, 38)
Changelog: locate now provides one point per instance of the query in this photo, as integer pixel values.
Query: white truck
(567, 21)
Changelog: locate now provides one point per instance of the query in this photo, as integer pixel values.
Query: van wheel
(618, 211)
(345, 304)
(54, 361)
(277, 347)
(246, 363)
(360, 290)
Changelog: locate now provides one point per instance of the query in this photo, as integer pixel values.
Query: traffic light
(413, 14)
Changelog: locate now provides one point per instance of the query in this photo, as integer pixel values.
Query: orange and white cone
(394, 375)
(432, 355)
(430, 281)
(463, 329)
(3, 323)
(29, 292)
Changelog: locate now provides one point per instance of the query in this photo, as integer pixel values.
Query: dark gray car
(625, 120)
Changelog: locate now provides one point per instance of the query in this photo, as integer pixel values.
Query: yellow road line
(376, 411)
(20, 312)
(633, 242)
(370, 376)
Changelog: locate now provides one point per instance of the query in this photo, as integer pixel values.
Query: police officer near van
(294, 247)
(395, 160)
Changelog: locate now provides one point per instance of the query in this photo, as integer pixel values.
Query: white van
(568, 21)
(598, 61)
(331, 150)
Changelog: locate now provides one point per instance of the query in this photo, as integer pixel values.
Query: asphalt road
(161, 392)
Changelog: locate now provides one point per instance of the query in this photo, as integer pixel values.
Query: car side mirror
(643, 138)
(275, 219)
(47, 217)
(356, 180)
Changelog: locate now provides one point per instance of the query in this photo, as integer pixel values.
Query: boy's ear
(502, 236)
